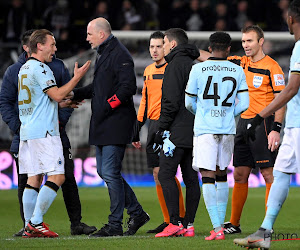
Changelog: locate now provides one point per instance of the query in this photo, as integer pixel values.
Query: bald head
(102, 24)
(98, 30)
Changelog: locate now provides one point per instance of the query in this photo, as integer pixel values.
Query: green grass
(95, 209)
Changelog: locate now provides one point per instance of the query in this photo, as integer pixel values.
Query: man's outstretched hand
(70, 104)
(80, 72)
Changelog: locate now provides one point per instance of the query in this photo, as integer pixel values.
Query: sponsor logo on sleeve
(257, 81)
(279, 79)
(297, 65)
(50, 82)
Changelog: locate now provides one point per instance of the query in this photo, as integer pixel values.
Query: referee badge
(257, 81)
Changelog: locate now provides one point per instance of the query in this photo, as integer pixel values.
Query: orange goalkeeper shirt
(264, 78)
(150, 105)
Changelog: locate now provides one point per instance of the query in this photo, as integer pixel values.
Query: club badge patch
(59, 162)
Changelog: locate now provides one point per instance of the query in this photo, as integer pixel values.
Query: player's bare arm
(274, 136)
(284, 97)
(58, 94)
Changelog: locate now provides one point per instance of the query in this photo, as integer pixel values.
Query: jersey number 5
(215, 96)
(23, 86)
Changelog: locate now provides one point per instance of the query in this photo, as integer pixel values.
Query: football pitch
(95, 209)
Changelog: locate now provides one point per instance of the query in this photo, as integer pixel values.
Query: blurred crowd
(67, 19)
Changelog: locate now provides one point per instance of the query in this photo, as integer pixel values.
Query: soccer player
(210, 95)
(10, 114)
(288, 160)
(150, 108)
(265, 80)
(179, 122)
(40, 150)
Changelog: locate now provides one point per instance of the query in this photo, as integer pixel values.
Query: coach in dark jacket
(10, 114)
(112, 123)
(176, 118)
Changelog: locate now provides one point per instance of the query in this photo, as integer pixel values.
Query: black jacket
(114, 75)
(174, 116)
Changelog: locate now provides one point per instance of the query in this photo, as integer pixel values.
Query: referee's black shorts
(255, 153)
(152, 158)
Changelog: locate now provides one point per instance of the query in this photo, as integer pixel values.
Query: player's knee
(207, 173)
(35, 181)
(241, 175)
(58, 179)
(61, 179)
(267, 173)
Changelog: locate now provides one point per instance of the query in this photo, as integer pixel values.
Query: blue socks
(44, 200)
(278, 193)
(29, 198)
(210, 199)
(222, 199)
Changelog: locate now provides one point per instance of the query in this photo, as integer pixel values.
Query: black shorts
(152, 158)
(255, 153)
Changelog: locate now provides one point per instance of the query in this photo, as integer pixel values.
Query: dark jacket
(9, 99)
(114, 75)
(174, 116)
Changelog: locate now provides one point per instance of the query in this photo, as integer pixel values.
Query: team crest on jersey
(257, 81)
(59, 162)
(279, 79)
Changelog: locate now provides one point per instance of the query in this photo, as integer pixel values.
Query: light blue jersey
(211, 95)
(37, 111)
(293, 109)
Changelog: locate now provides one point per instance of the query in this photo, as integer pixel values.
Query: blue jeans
(109, 164)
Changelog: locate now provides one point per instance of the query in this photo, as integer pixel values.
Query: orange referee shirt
(150, 105)
(264, 78)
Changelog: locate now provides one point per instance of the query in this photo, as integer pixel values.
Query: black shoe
(159, 229)
(82, 228)
(134, 223)
(231, 229)
(20, 233)
(107, 231)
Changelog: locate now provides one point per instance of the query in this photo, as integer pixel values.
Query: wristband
(114, 101)
(276, 126)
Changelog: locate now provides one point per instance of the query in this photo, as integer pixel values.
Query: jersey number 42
(215, 96)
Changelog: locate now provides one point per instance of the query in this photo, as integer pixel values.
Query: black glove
(136, 131)
(250, 132)
(158, 139)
